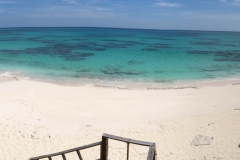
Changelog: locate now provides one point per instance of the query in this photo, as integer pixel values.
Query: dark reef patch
(77, 56)
(200, 52)
(110, 35)
(212, 70)
(232, 59)
(8, 32)
(79, 39)
(161, 46)
(38, 64)
(149, 49)
(118, 71)
(157, 46)
(47, 41)
(111, 43)
(132, 42)
(230, 45)
(111, 40)
(209, 76)
(58, 36)
(2, 39)
(158, 72)
(209, 43)
(218, 68)
(114, 45)
(11, 52)
(83, 70)
(85, 54)
(14, 38)
(230, 55)
(91, 46)
(214, 42)
(160, 38)
(135, 62)
(3, 60)
(71, 58)
(233, 56)
(61, 50)
(41, 40)
(33, 39)
(165, 39)
(75, 76)
(208, 39)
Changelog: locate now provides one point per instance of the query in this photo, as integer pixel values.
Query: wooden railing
(77, 150)
(152, 154)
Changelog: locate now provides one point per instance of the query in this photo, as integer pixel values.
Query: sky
(216, 15)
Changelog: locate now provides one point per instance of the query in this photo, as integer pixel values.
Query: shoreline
(133, 85)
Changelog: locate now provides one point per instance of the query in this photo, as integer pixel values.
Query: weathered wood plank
(127, 151)
(143, 143)
(79, 155)
(63, 156)
(104, 148)
(155, 151)
(150, 153)
(67, 151)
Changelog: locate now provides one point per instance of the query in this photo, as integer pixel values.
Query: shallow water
(118, 57)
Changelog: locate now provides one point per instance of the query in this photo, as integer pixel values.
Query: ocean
(123, 58)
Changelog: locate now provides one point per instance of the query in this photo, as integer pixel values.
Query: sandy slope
(39, 118)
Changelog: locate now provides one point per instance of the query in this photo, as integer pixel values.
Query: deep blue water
(118, 57)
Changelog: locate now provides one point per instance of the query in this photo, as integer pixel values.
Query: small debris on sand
(202, 140)
(236, 84)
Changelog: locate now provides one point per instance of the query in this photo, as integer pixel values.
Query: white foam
(6, 74)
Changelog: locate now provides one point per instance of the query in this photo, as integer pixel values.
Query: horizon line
(121, 28)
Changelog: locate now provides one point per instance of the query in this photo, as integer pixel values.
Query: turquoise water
(118, 57)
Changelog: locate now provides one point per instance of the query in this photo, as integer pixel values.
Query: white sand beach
(40, 118)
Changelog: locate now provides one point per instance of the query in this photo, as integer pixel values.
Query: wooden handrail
(66, 151)
(152, 153)
(127, 140)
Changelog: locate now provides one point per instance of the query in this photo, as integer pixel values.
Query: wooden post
(79, 155)
(104, 149)
(50, 158)
(150, 153)
(64, 158)
(155, 152)
(127, 151)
